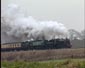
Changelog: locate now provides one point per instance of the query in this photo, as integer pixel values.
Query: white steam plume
(15, 27)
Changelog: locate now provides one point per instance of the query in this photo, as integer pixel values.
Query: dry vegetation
(38, 55)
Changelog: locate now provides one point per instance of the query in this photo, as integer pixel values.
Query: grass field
(63, 63)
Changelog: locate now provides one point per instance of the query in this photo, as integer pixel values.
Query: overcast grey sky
(69, 12)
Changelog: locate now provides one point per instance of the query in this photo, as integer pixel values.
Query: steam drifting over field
(16, 27)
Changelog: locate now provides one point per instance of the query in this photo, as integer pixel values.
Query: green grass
(65, 63)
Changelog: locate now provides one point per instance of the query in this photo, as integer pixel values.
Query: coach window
(15, 45)
(1, 46)
(7, 46)
(4, 46)
(12, 45)
(18, 44)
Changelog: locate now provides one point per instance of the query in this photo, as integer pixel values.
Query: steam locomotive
(37, 45)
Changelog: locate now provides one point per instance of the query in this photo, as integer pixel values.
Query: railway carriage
(10, 46)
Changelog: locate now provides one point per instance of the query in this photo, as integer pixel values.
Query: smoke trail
(15, 27)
